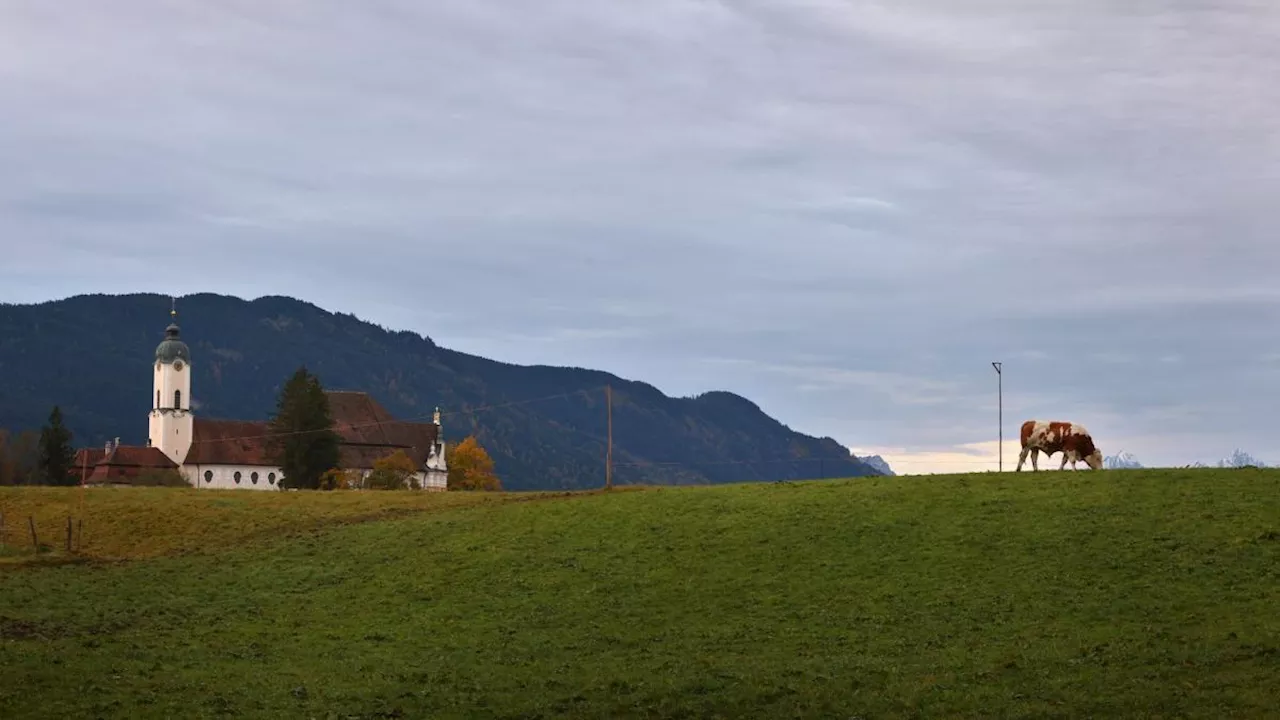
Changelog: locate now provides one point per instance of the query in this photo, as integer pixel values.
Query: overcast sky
(842, 210)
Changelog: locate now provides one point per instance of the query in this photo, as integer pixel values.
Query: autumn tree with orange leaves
(393, 472)
(471, 468)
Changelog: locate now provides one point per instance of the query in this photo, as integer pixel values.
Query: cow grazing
(1070, 439)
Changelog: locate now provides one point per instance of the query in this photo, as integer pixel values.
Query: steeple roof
(172, 348)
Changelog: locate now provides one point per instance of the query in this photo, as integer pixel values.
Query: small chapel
(234, 454)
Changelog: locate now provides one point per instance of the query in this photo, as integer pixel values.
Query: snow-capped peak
(1121, 461)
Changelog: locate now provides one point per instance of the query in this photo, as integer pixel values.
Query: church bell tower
(171, 420)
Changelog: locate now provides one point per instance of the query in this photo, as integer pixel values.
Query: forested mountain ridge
(91, 355)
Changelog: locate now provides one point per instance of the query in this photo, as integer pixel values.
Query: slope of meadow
(136, 523)
(1120, 593)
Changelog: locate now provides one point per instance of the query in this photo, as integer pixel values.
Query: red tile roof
(127, 462)
(130, 456)
(87, 458)
(367, 431)
(228, 442)
(359, 419)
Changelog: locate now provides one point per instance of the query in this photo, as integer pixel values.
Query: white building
(234, 454)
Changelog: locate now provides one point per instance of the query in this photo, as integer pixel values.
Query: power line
(583, 433)
(695, 463)
(610, 463)
(402, 421)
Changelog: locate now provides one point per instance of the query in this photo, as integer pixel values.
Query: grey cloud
(878, 198)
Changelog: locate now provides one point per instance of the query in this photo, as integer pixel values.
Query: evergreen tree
(56, 455)
(303, 441)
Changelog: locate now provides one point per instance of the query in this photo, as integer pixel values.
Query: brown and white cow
(1070, 439)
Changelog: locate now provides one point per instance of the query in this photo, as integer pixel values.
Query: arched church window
(237, 477)
(157, 399)
(254, 478)
(208, 476)
(177, 399)
(271, 478)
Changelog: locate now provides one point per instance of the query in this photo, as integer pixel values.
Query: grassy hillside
(1116, 594)
(136, 523)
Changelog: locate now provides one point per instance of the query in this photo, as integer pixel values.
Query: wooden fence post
(68, 534)
(35, 542)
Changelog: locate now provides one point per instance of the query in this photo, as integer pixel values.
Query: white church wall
(433, 481)
(171, 432)
(223, 477)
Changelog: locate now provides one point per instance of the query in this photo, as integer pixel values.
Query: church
(234, 454)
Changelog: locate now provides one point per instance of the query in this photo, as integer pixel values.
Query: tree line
(38, 458)
(303, 443)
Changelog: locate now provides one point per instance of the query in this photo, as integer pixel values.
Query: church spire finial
(172, 332)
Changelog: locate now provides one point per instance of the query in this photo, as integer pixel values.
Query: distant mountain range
(1238, 458)
(878, 463)
(1121, 461)
(545, 427)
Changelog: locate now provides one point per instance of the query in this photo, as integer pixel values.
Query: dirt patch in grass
(15, 629)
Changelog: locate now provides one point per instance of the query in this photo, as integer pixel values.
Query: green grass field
(1109, 594)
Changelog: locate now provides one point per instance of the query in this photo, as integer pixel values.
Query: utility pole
(1000, 390)
(84, 473)
(608, 459)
